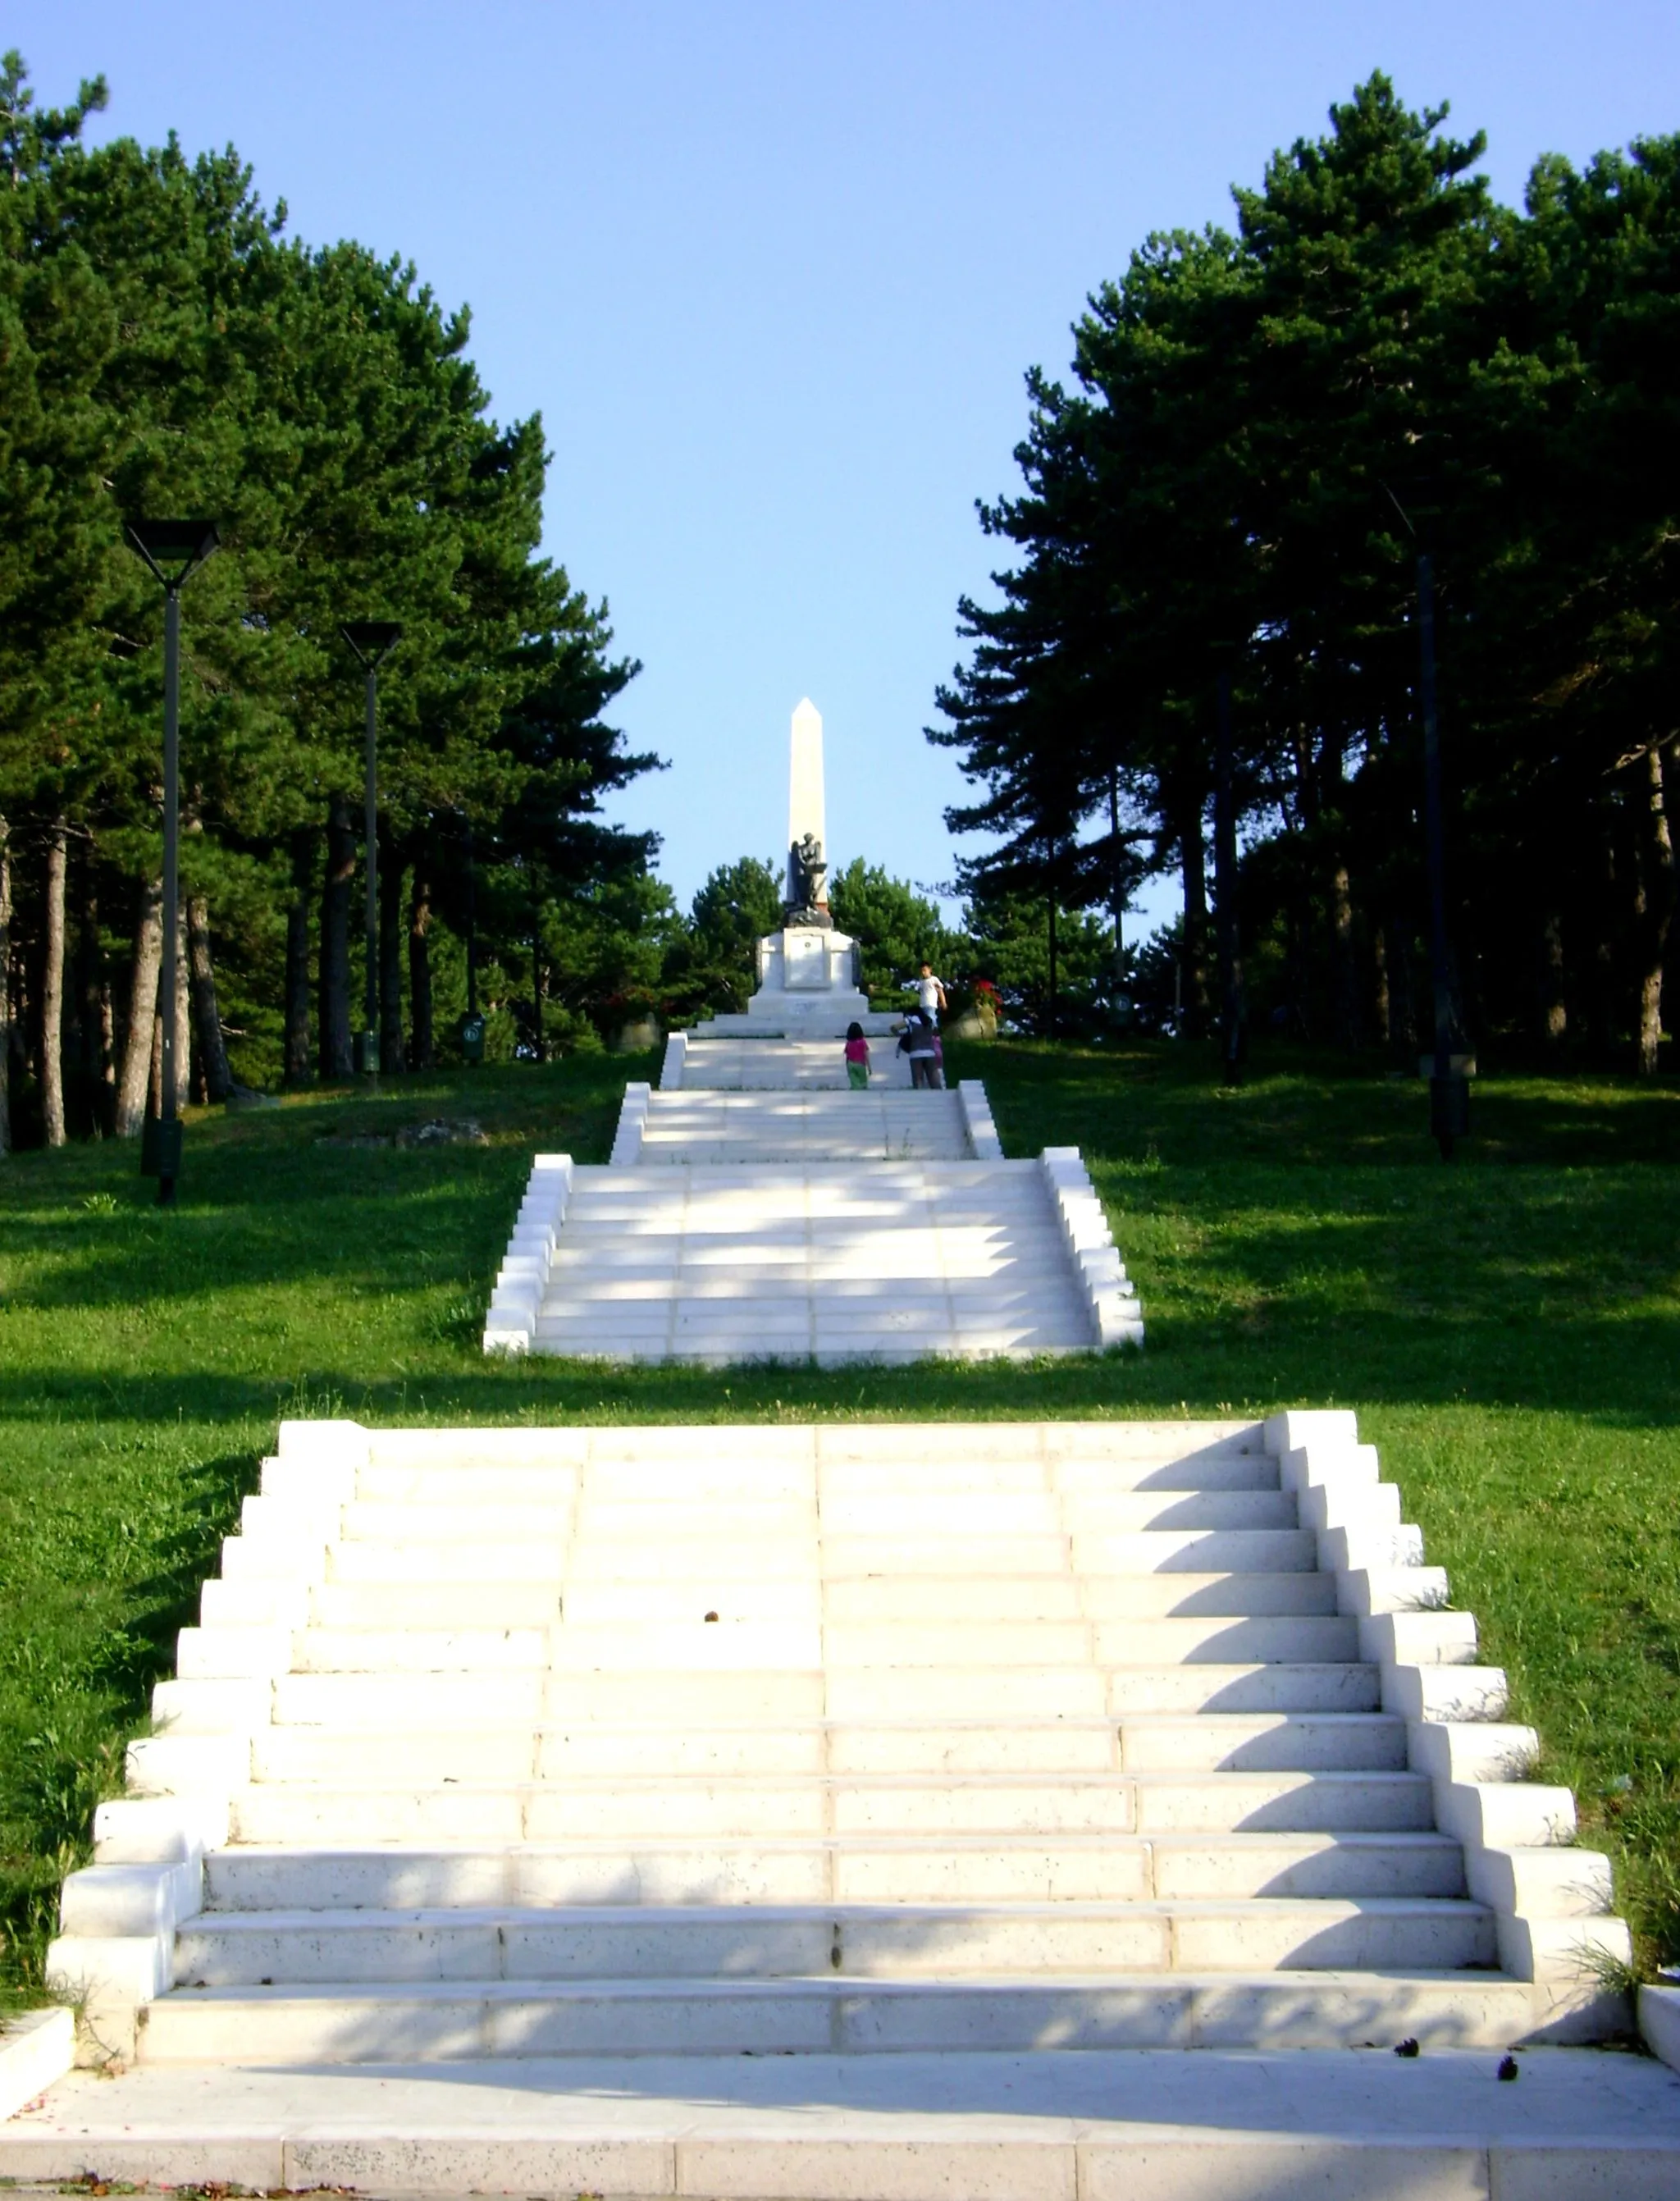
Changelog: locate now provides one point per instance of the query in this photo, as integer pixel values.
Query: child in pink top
(857, 1057)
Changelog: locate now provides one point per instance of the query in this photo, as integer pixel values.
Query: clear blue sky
(772, 272)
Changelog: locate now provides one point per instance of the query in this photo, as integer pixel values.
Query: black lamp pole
(1224, 881)
(371, 641)
(472, 927)
(1448, 1087)
(174, 549)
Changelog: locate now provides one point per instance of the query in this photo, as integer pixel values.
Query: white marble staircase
(810, 1226)
(899, 1750)
(847, 1738)
(737, 1261)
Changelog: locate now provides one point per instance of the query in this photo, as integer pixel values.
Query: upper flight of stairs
(852, 1738)
(755, 1065)
(804, 1125)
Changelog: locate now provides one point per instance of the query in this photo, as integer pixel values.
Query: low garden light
(371, 641)
(173, 550)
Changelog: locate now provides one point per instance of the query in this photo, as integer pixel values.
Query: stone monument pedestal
(807, 989)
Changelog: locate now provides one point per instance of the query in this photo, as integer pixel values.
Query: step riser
(1155, 1803)
(209, 1955)
(757, 1481)
(428, 1600)
(1183, 1869)
(1281, 1743)
(309, 1754)
(856, 2018)
(294, 1816)
(986, 1599)
(379, 1701)
(420, 1701)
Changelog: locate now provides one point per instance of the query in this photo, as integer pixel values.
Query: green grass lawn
(1508, 1328)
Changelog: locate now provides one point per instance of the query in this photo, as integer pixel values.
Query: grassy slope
(1509, 1329)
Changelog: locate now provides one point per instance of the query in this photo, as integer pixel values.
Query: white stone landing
(1208, 2125)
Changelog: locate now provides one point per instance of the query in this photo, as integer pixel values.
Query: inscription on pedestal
(804, 961)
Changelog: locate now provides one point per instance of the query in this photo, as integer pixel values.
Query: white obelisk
(805, 776)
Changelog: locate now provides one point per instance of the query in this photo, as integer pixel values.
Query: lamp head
(372, 640)
(173, 548)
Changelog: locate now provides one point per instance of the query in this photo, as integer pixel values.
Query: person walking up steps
(857, 1058)
(931, 993)
(921, 1043)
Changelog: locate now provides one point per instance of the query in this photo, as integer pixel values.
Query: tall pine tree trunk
(137, 1053)
(298, 1061)
(421, 1050)
(94, 997)
(336, 1059)
(52, 986)
(391, 961)
(1381, 1002)
(212, 1054)
(1656, 897)
(183, 1032)
(5, 986)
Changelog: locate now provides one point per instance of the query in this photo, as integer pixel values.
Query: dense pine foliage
(166, 349)
(1264, 432)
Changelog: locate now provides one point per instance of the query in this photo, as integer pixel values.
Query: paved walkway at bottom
(1118, 2127)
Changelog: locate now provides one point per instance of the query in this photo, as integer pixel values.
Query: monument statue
(807, 902)
(807, 883)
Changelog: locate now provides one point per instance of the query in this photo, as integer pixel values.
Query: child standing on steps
(857, 1057)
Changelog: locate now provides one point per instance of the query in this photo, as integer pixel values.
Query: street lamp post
(1224, 881)
(173, 550)
(371, 641)
(1448, 1087)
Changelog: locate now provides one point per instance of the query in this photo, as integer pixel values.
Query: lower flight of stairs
(829, 1261)
(854, 1738)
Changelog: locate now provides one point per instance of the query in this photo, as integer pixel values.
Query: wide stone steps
(894, 1739)
(868, 1127)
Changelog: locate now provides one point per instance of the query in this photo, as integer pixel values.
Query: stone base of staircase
(1203, 2125)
